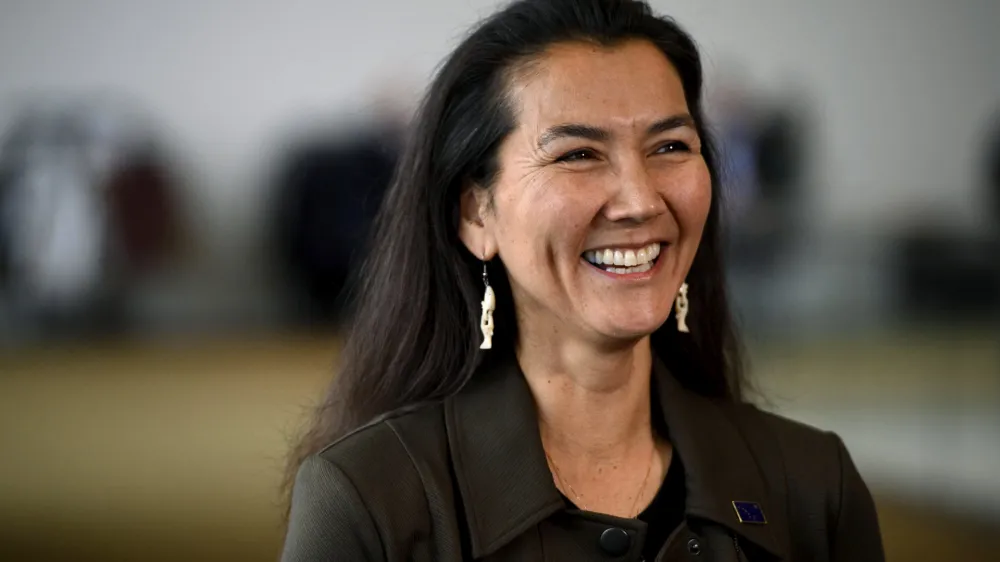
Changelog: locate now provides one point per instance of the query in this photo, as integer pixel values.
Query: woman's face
(602, 194)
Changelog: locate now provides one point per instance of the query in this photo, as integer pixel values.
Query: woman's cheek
(690, 191)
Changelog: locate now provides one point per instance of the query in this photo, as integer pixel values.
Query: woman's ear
(475, 224)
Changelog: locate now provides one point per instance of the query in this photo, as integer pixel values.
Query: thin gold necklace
(579, 499)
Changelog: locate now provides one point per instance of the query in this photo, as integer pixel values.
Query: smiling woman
(561, 155)
(605, 157)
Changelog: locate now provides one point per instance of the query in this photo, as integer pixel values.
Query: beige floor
(117, 451)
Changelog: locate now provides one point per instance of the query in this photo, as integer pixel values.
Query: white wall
(902, 87)
(903, 91)
(223, 77)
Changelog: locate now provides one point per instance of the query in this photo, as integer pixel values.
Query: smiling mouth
(624, 261)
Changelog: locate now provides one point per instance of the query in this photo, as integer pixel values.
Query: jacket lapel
(506, 487)
(497, 454)
(720, 468)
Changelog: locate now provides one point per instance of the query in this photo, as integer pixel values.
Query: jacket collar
(504, 479)
(719, 466)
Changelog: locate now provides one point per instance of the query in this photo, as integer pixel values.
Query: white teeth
(637, 269)
(625, 260)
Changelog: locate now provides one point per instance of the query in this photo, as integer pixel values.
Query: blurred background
(184, 187)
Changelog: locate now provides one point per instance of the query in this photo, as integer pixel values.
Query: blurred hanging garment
(84, 206)
(992, 162)
(136, 183)
(51, 217)
(779, 154)
(143, 210)
(328, 194)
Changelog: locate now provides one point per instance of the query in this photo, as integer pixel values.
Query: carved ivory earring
(681, 308)
(489, 305)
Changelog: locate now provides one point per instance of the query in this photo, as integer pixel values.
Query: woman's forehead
(625, 85)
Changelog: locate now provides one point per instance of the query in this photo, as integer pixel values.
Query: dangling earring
(489, 305)
(681, 308)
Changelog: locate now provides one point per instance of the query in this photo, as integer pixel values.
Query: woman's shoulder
(365, 496)
(392, 439)
(799, 445)
(812, 465)
(372, 483)
(782, 426)
(820, 481)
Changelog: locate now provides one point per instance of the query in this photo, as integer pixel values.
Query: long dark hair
(415, 331)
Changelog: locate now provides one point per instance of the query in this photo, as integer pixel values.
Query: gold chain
(579, 499)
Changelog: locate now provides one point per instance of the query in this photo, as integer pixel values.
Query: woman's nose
(635, 197)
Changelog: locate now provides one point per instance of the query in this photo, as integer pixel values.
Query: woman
(554, 413)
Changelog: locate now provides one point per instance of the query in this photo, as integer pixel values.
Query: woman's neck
(595, 424)
(593, 405)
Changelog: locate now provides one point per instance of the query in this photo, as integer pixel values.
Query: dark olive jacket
(466, 479)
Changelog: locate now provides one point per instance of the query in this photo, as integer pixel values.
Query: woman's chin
(631, 331)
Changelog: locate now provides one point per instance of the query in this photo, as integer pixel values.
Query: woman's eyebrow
(575, 130)
(673, 122)
(590, 132)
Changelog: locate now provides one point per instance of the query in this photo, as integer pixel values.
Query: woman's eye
(673, 146)
(577, 155)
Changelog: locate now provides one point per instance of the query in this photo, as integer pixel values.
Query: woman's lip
(662, 243)
(640, 276)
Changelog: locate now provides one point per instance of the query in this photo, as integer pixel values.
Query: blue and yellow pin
(750, 512)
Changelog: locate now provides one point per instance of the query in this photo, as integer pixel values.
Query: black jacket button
(694, 547)
(615, 541)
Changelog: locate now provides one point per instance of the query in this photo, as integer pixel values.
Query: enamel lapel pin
(750, 512)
